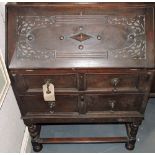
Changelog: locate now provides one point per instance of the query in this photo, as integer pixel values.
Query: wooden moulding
(83, 140)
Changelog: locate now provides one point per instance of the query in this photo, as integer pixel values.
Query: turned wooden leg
(37, 147)
(34, 131)
(132, 129)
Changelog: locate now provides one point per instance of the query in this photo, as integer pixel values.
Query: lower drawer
(36, 104)
(83, 103)
(121, 102)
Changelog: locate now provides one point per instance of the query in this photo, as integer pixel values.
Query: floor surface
(145, 137)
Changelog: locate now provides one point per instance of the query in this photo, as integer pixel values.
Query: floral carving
(26, 23)
(25, 51)
(137, 50)
(24, 26)
(135, 24)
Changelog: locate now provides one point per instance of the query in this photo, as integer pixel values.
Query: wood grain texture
(99, 57)
(76, 140)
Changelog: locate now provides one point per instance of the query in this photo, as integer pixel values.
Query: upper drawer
(117, 82)
(34, 83)
(62, 36)
(74, 82)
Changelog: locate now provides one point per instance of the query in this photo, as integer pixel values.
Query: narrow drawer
(82, 104)
(117, 82)
(34, 83)
(36, 104)
(119, 102)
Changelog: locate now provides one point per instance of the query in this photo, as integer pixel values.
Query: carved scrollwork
(137, 50)
(26, 23)
(135, 25)
(132, 129)
(24, 27)
(25, 51)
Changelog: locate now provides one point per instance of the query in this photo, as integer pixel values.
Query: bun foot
(37, 147)
(129, 146)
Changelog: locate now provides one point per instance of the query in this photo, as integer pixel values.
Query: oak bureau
(81, 63)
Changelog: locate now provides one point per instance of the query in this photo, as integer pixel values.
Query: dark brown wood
(99, 57)
(97, 117)
(34, 131)
(152, 95)
(153, 89)
(65, 53)
(83, 140)
(132, 130)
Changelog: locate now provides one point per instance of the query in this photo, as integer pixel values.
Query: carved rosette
(135, 25)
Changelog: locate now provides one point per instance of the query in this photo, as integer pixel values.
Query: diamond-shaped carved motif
(81, 37)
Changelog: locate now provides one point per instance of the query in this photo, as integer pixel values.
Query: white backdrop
(11, 126)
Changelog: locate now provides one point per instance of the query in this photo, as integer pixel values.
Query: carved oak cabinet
(98, 56)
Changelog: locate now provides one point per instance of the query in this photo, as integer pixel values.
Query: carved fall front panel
(74, 36)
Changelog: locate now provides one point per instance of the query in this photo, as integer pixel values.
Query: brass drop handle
(82, 105)
(82, 101)
(51, 106)
(115, 82)
(112, 104)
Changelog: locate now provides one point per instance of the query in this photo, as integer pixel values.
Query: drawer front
(75, 82)
(82, 104)
(89, 36)
(34, 83)
(36, 104)
(121, 102)
(117, 82)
